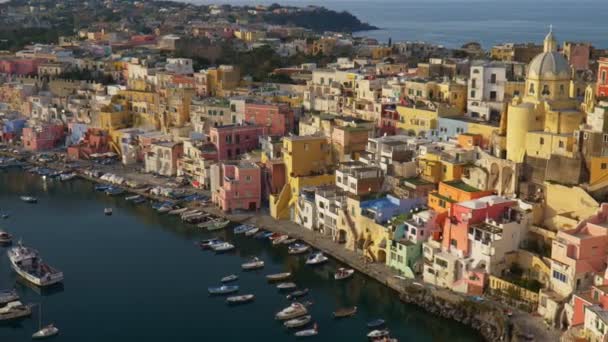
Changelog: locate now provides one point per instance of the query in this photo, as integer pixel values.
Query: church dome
(549, 65)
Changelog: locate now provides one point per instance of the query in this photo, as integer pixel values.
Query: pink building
(41, 138)
(20, 66)
(278, 117)
(233, 140)
(240, 186)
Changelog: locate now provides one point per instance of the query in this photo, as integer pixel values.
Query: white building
(179, 66)
(329, 201)
(486, 87)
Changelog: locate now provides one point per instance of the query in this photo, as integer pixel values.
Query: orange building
(452, 192)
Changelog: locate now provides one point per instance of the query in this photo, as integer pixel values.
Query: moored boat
(378, 333)
(67, 176)
(254, 264)
(345, 312)
(107, 211)
(133, 197)
(29, 199)
(178, 211)
(279, 240)
(241, 229)
(252, 231)
(288, 241)
(292, 311)
(278, 276)
(224, 289)
(165, 209)
(114, 191)
(286, 286)
(14, 310)
(307, 332)
(316, 259)
(5, 238)
(206, 244)
(218, 224)
(7, 296)
(46, 332)
(298, 322)
(343, 273)
(297, 294)
(298, 248)
(222, 247)
(139, 200)
(28, 264)
(229, 278)
(101, 187)
(375, 323)
(246, 298)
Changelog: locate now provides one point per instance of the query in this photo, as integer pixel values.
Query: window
(493, 96)
(603, 166)
(306, 148)
(453, 243)
(474, 83)
(546, 90)
(562, 89)
(559, 276)
(248, 178)
(472, 93)
(441, 263)
(541, 141)
(493, 79)
(561, 144)
(531, 90)
(606, 138)
(603, 78)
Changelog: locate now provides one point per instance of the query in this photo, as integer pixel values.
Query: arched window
(546, 90)
(531, 91)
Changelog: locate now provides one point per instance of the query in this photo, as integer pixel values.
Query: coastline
(487, 317)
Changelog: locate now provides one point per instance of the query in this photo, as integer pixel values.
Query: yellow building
(308, 162)
(452, 93)
(434, 169)
(545, 107)
(250, 36)
(421, 118)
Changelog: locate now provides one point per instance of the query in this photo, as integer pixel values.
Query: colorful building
(234, 140)
(240, 186)
(43, 137)
(278, 118)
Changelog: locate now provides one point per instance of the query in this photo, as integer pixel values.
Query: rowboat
(292, 311)
(278, 276)
(375, 323)
(133, 197)
(46, 332)
(279, 240)
(241, 229)
(297, 248)
(206, 244)
(298, 322)
(229, 278)
(8, 296)
(345, 312)
(286, 286)
(288, 241)
(240, 299)
(178, 211)
(297, 294)
(222, 247)
(224, 289)
(343, 273)
(252, 231)
(254, 264)
(378, 333)
(218, 224)
(307, 332)
(316, 259)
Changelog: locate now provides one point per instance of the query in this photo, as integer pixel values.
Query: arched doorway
(381, 256)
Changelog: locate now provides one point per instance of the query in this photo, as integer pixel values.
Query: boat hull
(48, 281)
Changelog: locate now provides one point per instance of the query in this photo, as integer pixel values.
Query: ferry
(28, 264)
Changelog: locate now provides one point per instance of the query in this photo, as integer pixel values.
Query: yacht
(28, 264)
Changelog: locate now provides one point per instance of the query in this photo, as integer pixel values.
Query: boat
(28, 264)
(375, 323)
(14, 310)
(5, 238)
(67, 176)
(254, 264)
(269, 235)
(218, 224)
(44, 332)
(206, 244)
(292, 311)
(241, 229)
(307, 332)
(273, 236)
(278, 240)
(7, 296)
(240, 299)
(288, 241)
(101, 187)
(133, 197)
(286, 286)
(4, 215)
(252, 231)
(298, 322)
(29, 199)
(343, 273)
(139, 200)
(107, 211)
(378, 333)
(113, 191)
(222, 247)
(345, 312)
(229, 278)
(278, 276)
(298, 248)
(316, 259)
(178, 211)
(165, 209)
(224, 289)
(297, 294)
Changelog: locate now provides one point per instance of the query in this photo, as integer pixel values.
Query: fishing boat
(133, 197)
(7, 296)
(107, 211)
(5, 238)
(29, 199)
(286, 286)
(218, 224)
(316, 259)
(297, 294)
(298, 248)
(14, 310)
(279, 239)
(378, 333)
(343, 273)
(246, 298)
(292, 311)
(241, 229)
(345, 312)
(288, 241)
(28, 264)
(229, 278)
(308, 332)
(278, 276)
(224, 289)
(298, 322)
(64, 177)
(254, 264)
(222, 247)
(375, 323)
(178, 211)
(44, 332)
(252, 231)
(206, 244)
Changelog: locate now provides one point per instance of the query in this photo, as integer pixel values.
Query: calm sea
(454, 22)
(137, 276)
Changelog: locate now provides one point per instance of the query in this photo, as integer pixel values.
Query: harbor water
(138, 276)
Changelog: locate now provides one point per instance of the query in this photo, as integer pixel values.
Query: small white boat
(343, 273)
(224, 289)
(308, 332)
(246, 298)
(316, 259)
(298, 322)
(165, 209)
(254, 264)
(297, 248)
(222, 247)
(178, 211)
(278, 276)
(29, 199)
(107, 211)
(67, 176)
(288, 241)
(252, 231)
(217, 224)
(378, 333)
(48, 331)
(286, 286)
(229, 278)
(292, 311)
(279, 240)
(133, 197)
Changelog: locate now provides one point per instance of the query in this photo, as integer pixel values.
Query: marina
(114, 278)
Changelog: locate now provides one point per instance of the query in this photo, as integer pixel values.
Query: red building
(20, 66)
(95, 141)
(43, 138)
(233, 140)
(602, 77)
(388, 119)
(278, 117)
